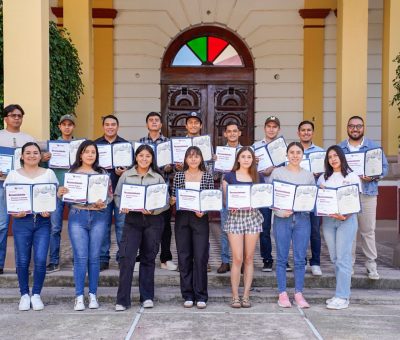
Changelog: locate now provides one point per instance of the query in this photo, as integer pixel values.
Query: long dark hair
(149, 149)
(255, 177)
(194, 150)
(78, 160)
(24, 147)
(344, 166)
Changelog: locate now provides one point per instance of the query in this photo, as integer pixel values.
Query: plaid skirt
(244, 222)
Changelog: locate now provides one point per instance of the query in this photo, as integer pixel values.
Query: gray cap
(67, 117)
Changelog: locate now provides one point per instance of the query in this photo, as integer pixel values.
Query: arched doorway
(208, 69)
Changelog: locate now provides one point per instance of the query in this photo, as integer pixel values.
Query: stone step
(57, 295)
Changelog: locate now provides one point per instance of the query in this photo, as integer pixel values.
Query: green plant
(396, 85)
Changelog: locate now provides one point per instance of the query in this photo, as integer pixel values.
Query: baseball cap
(194, 115)
(67, 117)
(272, 119)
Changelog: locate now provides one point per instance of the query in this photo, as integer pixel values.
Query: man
(232, 134)
(367, 218)
(66, 126)
(110, 127)
(154, 137)
(305, 131)
(11, 137)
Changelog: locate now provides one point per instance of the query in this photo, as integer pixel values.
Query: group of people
(140, 233)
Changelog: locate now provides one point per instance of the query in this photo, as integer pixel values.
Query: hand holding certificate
(19, 198)
(140, 197)
(179, 147)
(238, 196)
(284, 194)
(199, 201)
(356, 162)
(277, 151)
(373, 162)
(225, 158)
(343, 200)
(77, 185)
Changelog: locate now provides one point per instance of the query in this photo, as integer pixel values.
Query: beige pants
(366, 228)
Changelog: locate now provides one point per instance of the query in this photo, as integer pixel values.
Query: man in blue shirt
(367, 218)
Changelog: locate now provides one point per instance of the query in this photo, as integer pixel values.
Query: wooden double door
(217, 104)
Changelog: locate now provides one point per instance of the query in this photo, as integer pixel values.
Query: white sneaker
(93, 304)
(373, 274)
(119, 308)
(148, 304)
(136, 269)
(36, 302)
(188, 304)
(169, 265)
(338, 303)
(328, 301)
(316, 270)
(201, 305)
(25, 302)
(79, 304)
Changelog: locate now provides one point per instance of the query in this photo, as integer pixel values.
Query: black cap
(194, 115)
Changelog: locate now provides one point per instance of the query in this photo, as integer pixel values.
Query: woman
(86, 228)
(31, 230)
(142, 229)
(192, 230)
(292, 227)
(339, 230)
(243, 227)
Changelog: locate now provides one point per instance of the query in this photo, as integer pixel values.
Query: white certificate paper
(73, 148)
(204, 144)
(179, 147)
(132, 197)
(317, 160)
(261, 195)
(356, 162)
(122, 155)
(374, 162)
(19, 198)
(348, 199)
(238, 196)
(304, 199)
(59, 154)
(225, 158)
(6, 163)
(17, 158)
(164, 154)
(105, 156)
(283, 195)
(326, 203)
(188, 199)
(264, 161)
(44, 197)
(156, 196)
(277, 151)
(77, 185)
(211, 200)
(97, 188)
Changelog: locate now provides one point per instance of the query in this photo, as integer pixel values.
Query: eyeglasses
(357, 127)
(15, 116)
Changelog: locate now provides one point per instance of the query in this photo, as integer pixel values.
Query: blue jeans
(56, 227)
(119, 226)
(295, 229)
(224, 238)
(315, 240)
(339, 238)
(4, 221)
(31, 231)
(265, 236)
(86, 231)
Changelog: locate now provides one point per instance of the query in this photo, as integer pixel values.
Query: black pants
(140, 232)
(191, 235)
(166, 254)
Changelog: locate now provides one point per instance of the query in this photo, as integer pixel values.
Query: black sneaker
(51, 268)
(267, 267)
(288, 268)
(103, 266)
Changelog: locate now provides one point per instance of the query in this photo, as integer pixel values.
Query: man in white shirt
(11, 137)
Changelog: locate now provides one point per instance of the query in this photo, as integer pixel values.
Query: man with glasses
(10, 137)
(367, 218)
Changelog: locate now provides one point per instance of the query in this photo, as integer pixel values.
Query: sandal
(235, 303)
(245, 303)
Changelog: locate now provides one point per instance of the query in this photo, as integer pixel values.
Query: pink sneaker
(284, 300)
(301, 301)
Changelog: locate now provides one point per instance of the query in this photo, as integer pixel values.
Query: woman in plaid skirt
(243, 227)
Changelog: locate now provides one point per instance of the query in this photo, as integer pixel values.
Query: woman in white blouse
(31, 230)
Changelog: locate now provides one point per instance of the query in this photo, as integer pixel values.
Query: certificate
(163, 154)
(135, 145)
(44, 197)
(277, 151)
(73, 148)
(188, 199)
(77, 185)
(132, 197)
(59, 154)
(261, 195)
(317, 161)
(225, 158)
(356, 162)
(264, 161)
(304, 198)
(210, 200)
(204, 144)
(179, 147)
(238, 196)
(156, 196)
(17, 158)
(326, 203)
(105, 156)
(6, 163)
(283, 195)
(373, 162)
(348, 199)
(97, 188)
(122, 155)
(19, 198)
